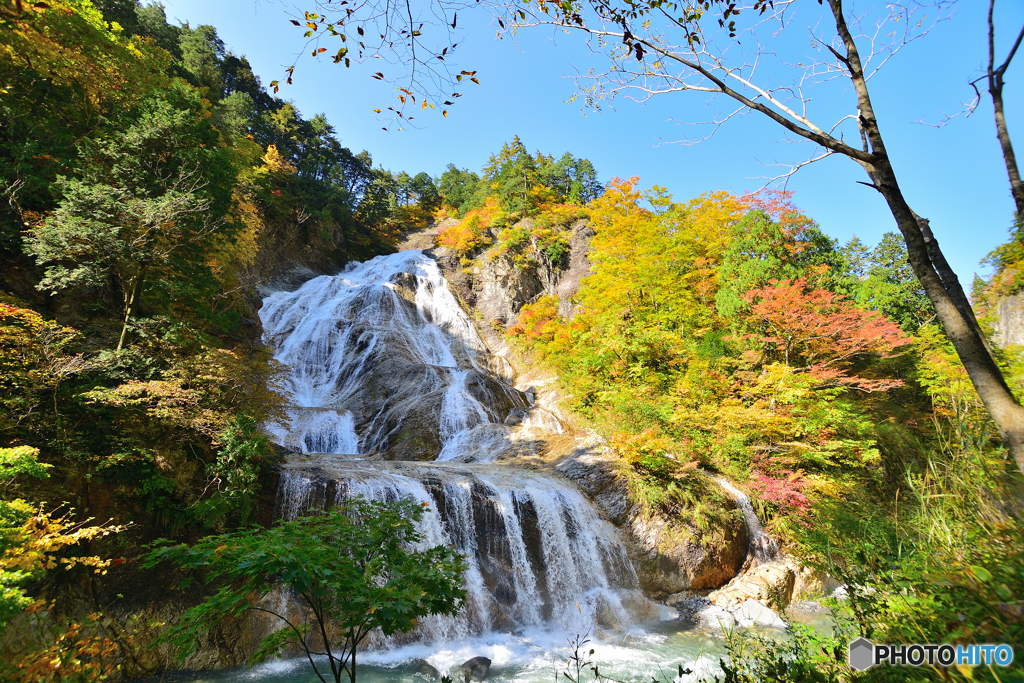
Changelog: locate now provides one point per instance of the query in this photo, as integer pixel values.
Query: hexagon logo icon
(862, 654)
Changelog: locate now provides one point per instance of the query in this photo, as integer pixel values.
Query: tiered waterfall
(396, 395)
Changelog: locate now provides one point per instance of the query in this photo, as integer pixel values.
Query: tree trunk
(131, 299)
(1016, 186)
(995, 89)
(959, 324)
(938, 280)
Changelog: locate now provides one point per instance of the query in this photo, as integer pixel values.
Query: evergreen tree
(891, 288)
(458, 188)
(512, 173)
(202, 53)
(152, 23)
(148, 201)
(857, 257)
(425, 189)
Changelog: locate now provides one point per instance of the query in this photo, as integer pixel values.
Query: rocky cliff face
(497, 288)
(1009, 323)
(669, 554)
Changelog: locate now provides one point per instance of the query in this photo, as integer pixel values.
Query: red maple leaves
(823, 333)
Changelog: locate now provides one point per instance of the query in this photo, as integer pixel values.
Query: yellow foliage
(411, 217)
(33, 359)
(79, 652)
(68, 42)
(44, 535)
(273, 162)
(472, 231)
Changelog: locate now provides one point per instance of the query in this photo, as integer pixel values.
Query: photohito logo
(865, 654)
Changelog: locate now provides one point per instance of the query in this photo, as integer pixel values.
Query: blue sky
(953, 175)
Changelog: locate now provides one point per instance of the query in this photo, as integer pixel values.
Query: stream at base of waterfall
(395, 394)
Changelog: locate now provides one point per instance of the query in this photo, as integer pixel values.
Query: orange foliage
(472, 231)
(779, 205)
(538, 322)
(826, 330)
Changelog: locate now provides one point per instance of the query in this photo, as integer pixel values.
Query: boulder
(427, 670)
(670, 557)
(770, 583)
(810, 583)
(717, 618)
(475, 669)
(754, 613)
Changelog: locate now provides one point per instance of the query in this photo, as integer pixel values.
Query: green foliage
(570, 177)
(355, 568)
(160, 183)
(887, 284)
(763, 247)
(234, 475)
(803, 656)
(788, 405)
(14, 513)
(34, 360)
(149, 202)
(522, 184)
(511, 174)
(33, 541)
(202, 53)
(65, 73)
(458, 189)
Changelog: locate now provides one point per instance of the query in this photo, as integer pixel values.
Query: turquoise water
(656, 651)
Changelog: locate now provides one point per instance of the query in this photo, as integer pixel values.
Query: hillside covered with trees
(731, 335)
(151, 185)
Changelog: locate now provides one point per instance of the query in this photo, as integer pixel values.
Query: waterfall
(763, 547)
(395, 394)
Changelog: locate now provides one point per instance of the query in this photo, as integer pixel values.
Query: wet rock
(475, 669)
(498, 288)
(690, 608)
(425, 669)
(597, 475)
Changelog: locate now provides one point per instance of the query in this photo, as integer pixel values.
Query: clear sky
(953, 175)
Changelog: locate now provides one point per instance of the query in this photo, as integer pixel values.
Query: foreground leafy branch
(353, 569)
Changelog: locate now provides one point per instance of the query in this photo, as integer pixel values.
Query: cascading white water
(534, 547)
(385, 364)
(368, 348)
(763, 547)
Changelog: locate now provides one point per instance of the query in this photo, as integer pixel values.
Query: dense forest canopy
(151, 185)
